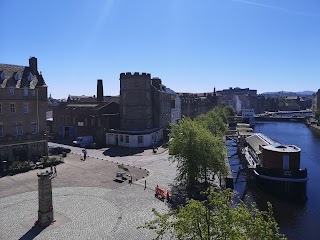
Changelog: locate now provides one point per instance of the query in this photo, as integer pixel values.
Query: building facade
(195, 104)
(145, 111)
(87, 116)
(175, 108)
(23, 106)
(315, 102)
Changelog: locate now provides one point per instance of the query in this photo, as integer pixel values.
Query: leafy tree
(216, 218)
(230, 111)
(214, 120)
(196, 151)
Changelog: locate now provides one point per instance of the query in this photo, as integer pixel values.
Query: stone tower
(135, 101)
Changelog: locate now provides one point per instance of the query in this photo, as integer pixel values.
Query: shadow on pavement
(32, 233)
(122, 151)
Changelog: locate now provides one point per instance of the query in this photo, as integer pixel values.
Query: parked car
(56, 150)
(84, 142)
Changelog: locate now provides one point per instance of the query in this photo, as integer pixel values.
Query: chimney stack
(33, 64)
(99, 91)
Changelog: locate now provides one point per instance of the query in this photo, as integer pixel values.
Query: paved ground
(87, 202)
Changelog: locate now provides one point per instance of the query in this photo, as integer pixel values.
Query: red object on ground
(162, 193)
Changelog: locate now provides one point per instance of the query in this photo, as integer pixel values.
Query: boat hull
(292, 187)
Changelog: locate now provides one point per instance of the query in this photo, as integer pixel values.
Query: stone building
(315, 102)
(86, 116)
(23, 106)
(145, 111)
(238, 98)
(194, 104)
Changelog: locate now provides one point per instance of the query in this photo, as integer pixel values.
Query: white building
(249, 114)
(134, 139)
(237, 103)
(175, 108)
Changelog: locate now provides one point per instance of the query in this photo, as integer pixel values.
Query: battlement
(135, 74)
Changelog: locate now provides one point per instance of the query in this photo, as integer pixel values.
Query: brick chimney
(33, 64)
(99, 91)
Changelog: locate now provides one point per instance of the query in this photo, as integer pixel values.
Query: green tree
(216, 218)
(196, 151)
(229, 111)
(215, 120)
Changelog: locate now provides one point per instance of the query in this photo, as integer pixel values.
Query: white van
(84, 141)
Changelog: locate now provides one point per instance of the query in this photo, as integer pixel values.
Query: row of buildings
(138, 117)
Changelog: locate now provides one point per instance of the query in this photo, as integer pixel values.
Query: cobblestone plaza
(88, 204)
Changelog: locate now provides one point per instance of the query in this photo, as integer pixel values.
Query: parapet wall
(134, 75)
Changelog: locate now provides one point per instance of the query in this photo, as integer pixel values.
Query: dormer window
(17, 76)
(30, 77)
(3, 75)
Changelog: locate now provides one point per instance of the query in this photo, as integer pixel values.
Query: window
(92, 121)
(121, 138)
(26, 107)
(34, 92)
(25, 91)
(30, 77)
(34, 127)
(285, 162)
(127, 139)
(140, 139)
(17, 76)
(12, 108)
(11, 91)
(3, 75)
(1, 129)
(85, 121)
(99, 122)
(0, 107)
(18, 128)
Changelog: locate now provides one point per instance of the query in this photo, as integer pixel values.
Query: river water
(296, 221)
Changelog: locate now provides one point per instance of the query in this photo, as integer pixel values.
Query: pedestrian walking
(84, 154)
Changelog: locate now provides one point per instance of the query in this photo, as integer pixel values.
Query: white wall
(176, 111)
(133, 139)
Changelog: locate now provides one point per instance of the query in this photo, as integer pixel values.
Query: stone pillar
(45, 212)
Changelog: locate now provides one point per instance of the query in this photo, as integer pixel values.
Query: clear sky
(268, 45)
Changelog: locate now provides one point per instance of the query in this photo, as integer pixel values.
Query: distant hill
(281, 93)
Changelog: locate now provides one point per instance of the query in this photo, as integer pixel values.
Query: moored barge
(275, 166)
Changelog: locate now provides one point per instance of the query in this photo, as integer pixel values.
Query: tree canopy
(196, 151)
(216, 218)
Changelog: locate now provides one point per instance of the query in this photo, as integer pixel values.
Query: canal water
(296, 221)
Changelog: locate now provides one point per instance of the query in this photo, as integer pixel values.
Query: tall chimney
(99, 91)
(33, 64)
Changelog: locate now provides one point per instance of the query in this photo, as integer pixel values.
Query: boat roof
(259, 139)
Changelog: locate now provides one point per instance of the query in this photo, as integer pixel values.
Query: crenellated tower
(135, 101)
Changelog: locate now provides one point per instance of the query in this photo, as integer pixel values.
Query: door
(71, 133)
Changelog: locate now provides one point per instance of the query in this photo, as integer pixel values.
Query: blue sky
(268, 45)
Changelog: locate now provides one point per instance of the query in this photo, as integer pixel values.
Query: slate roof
(17, 76)
(89, 99)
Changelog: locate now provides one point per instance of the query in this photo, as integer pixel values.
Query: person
(84, 154)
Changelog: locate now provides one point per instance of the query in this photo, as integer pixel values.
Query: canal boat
(275, 166)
